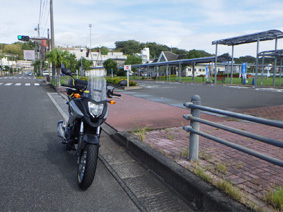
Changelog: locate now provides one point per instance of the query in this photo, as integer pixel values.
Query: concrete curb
(196, 192)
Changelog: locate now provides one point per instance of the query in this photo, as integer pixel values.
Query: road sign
(127, 67)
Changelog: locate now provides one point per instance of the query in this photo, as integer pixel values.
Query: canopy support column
(256, 67)
(194, 64)
(215, 64)
(194, 72)
(232, 64)
(275, 61)
(262, 68)
(179, 71)
(280, 70)
(167, 66)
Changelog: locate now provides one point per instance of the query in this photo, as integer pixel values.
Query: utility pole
(52, 35)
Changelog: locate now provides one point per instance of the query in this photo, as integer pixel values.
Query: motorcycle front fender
(87, 138)
(91, 139)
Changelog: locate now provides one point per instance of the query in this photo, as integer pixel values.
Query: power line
(43, 16)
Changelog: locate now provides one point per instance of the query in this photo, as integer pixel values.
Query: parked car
(46, 73)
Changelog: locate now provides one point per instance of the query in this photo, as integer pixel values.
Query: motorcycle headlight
(95, 109)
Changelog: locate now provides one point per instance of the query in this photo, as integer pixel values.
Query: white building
(97, 57)
(25, 64)
(144, 55)
(200, 70)
(5, 62)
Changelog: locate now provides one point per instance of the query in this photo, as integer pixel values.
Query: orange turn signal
(77, 95)
(112, 102)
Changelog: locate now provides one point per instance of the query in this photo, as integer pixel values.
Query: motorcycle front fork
(81, 137)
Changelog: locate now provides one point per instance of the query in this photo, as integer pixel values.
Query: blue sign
(244, 70)
(206, 72)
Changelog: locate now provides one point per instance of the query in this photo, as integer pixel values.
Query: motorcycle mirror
(123, 83)
(110, 87)
(66, 71)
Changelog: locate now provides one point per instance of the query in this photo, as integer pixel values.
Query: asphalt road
(224, 97)
(37, 174)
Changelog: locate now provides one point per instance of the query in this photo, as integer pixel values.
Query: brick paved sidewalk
(274, 112)
(251, 176)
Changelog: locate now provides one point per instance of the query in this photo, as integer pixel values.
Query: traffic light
(23, 37)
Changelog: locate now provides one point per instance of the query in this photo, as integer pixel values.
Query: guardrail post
(194, 138)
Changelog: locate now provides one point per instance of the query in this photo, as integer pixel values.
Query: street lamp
(90, 25)
(81, 61)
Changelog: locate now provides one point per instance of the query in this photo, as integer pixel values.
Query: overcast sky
(185, 24)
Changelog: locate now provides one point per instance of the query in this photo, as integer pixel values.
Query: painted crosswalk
(17, 78)
(20, 84)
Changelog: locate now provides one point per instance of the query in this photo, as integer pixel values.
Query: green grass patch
(201, 173)
(141, 133)
(222, 168)
(184, 153)
(235, 80)
(275, 198)
(229, 189)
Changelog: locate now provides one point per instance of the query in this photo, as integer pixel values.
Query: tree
(246, 59)
(110, 64)
(132, 59)
(196, 54)
(72, 62)
(128, 47)
(13, 49)
(83, 62)
(104, 50)
(156, 49)
(30, 45)
(36, 66)
(58, 57)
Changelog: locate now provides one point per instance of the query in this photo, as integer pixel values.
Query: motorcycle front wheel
(86, 166)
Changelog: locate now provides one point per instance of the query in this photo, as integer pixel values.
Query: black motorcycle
(88, 109)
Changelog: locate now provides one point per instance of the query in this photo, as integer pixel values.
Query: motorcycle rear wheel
(86, 166)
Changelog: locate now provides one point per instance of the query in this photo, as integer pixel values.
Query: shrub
(133, 83)
(116, 81)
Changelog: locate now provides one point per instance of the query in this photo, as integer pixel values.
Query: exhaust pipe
(61, 129)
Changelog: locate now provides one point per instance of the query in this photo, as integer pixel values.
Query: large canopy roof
(272, 53)
(185, 61)
(250, 38)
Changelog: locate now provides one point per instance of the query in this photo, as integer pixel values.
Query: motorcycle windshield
(97, 88)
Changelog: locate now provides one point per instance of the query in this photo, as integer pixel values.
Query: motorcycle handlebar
(70, 86)
(115, 94)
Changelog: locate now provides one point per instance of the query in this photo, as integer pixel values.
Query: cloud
(186, 24)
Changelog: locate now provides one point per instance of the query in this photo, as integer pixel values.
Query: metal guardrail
(194, 129)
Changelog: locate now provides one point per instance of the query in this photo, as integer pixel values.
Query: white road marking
(65, 116)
